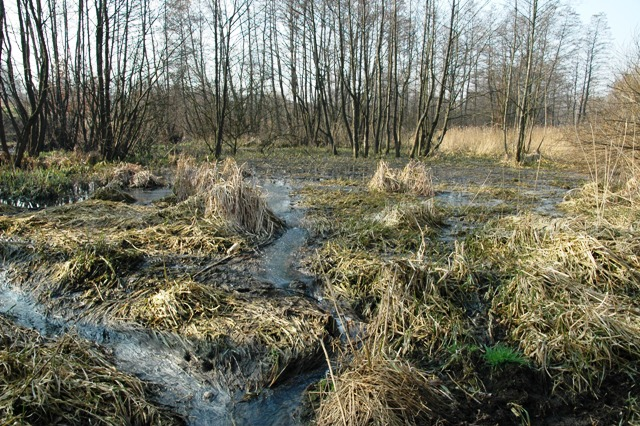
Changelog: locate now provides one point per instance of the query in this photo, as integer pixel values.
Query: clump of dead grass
(385, 179)
(376, 390)
(572, 299)
(224, 194)
(66, 381)
(128, 175)
(422, 307)
(415, 178)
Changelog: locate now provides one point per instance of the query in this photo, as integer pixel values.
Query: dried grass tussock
(66, 381)
(573, 300)
(375, 390)
(385, 179)
(222, 189)
(128, 175)
(415, 178)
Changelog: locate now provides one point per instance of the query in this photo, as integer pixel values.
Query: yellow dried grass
(375, 390)
(572, 302)
(67, 381)
(415, 178)
(225, 195)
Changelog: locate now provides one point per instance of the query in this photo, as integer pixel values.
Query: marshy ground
(301, 288)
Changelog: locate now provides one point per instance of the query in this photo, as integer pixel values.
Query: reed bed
(556, 143)
(67, 381)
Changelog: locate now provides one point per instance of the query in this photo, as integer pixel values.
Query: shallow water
(279, 259)
(79, 192)
(83, 192)
(148, 196)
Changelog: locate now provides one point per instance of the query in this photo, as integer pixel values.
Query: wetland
(307, 289)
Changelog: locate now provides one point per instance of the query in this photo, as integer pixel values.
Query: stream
(278, 264)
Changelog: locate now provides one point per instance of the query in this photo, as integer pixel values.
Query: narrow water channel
(160, 360)
(279, 260)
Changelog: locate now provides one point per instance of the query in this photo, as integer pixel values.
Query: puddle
(79, 192)
(146, 197)
(83, 192)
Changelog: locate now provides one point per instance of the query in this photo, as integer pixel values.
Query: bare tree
(27, 115)
(595, 44)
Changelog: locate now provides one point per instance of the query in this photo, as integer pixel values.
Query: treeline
(113, 76)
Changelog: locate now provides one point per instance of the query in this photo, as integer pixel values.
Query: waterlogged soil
(184, 371)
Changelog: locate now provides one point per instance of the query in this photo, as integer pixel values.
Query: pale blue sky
(623, 17)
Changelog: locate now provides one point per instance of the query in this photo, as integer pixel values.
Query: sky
(623, 17)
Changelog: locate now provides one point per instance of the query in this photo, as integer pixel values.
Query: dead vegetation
(127, 175)
(224, 194)
(572, 300)
(67, 381)
(375, 390)
(561, 292)
(107, 262)
(415, 178)
(426, 314)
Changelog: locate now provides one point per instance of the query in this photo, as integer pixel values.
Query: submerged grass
(67, 381)
(58, 178)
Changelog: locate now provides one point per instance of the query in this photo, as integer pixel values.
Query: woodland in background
(377, 76)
